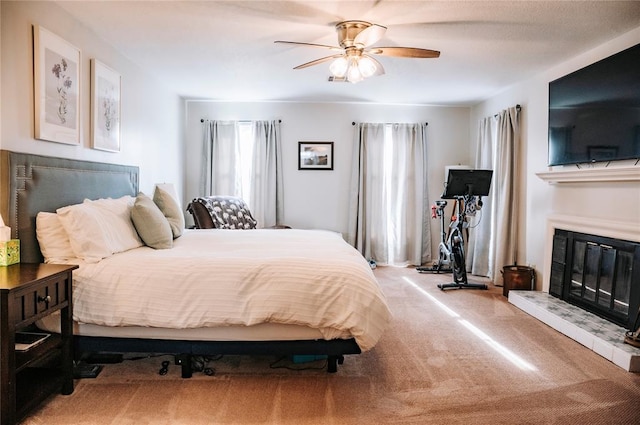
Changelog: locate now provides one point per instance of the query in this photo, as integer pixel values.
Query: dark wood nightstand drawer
(47, 297)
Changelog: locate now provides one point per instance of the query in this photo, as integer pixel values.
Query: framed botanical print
(105, 107)
(315, 155)
(56, 78)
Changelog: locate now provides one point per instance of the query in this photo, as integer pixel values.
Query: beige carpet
(429, 368)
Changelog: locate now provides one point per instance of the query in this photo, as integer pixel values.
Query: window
(242, 159)
(386, 217)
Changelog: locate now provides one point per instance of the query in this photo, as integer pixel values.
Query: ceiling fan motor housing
(349, 30)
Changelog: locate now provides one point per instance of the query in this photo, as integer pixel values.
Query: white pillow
(54, 242)
(98, 229)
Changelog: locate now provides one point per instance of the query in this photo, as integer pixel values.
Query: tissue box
(9, 252)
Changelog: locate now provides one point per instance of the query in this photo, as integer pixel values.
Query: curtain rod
(354, 123)
(203, 120)
(518, 107)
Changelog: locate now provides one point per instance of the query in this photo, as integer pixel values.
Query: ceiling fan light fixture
(339, 67)
(367, 67)
(354, 75)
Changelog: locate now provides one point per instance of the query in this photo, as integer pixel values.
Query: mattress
(252, 280)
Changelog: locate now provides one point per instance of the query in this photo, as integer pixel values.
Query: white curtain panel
(479, 249)
(367, 173)
(219, 156)
(494, 243)
(266, 200)
(388, 215)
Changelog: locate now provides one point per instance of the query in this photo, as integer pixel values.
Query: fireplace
(602, 336)
(598, 274)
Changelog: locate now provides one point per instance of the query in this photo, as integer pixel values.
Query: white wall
(152, 129)
(618, 201)
(319, 199)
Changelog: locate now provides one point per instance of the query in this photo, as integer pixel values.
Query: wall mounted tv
(594, 113)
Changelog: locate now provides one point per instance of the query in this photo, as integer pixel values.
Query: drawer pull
(45, 300)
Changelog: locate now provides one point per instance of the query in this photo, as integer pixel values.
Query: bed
(245, 318)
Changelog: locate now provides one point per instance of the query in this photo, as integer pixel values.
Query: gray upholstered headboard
(34, 183)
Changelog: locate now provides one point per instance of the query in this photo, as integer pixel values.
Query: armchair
(221, 212)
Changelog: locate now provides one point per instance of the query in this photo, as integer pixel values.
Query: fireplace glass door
(597, 274)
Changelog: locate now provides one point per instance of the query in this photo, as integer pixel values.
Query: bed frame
(33, 183)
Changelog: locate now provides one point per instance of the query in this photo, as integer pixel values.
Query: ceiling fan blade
(317, 61)
(324, 46)
(370, 35)
(404, 52)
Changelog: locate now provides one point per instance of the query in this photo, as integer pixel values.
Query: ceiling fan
(354, 63)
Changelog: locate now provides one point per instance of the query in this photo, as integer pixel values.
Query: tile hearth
(595, 333)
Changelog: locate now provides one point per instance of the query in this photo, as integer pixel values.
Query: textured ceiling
(224, 50)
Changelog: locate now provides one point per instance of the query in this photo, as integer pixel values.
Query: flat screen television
(594, 113)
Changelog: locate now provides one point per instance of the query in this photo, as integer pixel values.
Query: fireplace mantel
(588, 225)
(586, 175)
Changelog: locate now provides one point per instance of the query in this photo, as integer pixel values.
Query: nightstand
(29, 292)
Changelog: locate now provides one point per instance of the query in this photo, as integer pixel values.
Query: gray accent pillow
(171, 210)
(151, 224)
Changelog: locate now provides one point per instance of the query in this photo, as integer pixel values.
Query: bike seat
(441, 203)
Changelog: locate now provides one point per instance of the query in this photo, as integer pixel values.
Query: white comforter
(237, 277)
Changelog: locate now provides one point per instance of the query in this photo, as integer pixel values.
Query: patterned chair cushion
(226, 212)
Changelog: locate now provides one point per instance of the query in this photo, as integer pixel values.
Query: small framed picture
(315, 155)
(56, 80)
(105, 107)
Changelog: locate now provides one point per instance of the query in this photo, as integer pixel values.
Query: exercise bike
(464, 186)
(454, 248)
(443, 265)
